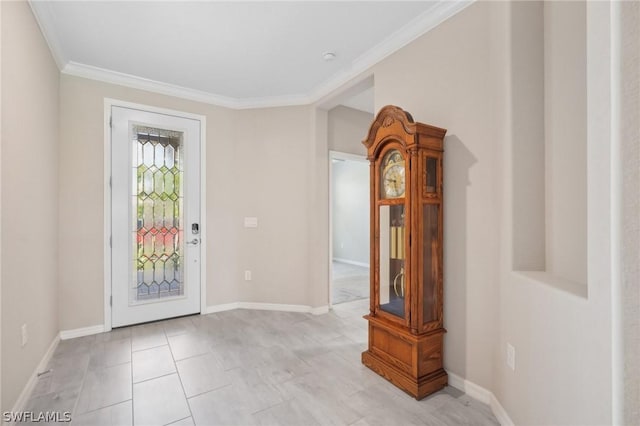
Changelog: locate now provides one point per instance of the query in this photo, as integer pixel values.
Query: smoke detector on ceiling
(328, 56)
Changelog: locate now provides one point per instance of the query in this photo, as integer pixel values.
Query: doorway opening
(350, 228)
(349, 114)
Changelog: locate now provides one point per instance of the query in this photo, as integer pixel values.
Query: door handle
(193, 242)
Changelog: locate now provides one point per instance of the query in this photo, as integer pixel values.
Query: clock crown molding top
(423, 23)
(386, 117)
(398, 125)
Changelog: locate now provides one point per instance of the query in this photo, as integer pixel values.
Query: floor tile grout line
(284, 401)
(151, 347)
(133, 409)
(106, 406)
(179, 420)
(186, 400)
(84, 378)
(208, 391)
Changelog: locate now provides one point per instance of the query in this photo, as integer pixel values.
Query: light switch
(250, 222)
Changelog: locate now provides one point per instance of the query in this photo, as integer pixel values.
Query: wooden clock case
(406, 319)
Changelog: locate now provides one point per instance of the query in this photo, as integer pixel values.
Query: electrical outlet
(247, 275)
(511, 357)
(25, 334)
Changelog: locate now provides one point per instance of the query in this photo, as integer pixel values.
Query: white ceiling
(237, 54)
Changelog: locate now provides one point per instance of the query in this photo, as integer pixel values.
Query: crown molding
(135, 82)
(438, 13)
(423, 23)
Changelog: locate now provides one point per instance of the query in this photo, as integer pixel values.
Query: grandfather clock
(405, 320)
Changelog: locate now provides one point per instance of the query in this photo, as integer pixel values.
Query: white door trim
(108, 103)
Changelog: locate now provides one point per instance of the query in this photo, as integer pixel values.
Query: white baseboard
(221, 308)
(350, 262)
(31, 383)
(481, 394)
(268, 307)
(81, 332)
(320, 310)
(500, 412)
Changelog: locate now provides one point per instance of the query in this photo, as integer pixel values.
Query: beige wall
(465, 75)
(565, 95)
(30, 84)
(629, 90)
(270, 161)
(562, 340)
(347, 128)
(527, 116)
(254, 168)
(452, 77)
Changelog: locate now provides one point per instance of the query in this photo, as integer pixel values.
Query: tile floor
(348, 283)
(238, 367)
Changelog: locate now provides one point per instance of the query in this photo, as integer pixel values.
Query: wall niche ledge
(546, 278)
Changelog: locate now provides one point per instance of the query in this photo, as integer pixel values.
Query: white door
(155, 216)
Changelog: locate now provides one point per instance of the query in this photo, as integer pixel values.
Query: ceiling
(235, 54)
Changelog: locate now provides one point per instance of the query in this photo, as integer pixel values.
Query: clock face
(393, 175)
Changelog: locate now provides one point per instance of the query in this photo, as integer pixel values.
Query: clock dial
(393, 175)
(393, 181)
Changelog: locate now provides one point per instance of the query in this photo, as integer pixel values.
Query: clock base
(416, 388)
(412, 362)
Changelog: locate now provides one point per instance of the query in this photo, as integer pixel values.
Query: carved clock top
(387, 116)
(393, 122)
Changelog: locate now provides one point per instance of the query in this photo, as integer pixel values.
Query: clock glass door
(430, 261)
(392, 259)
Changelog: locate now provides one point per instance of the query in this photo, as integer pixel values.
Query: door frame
(345, 156)
(108, 103)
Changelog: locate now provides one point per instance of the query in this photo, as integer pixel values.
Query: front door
(155, 216)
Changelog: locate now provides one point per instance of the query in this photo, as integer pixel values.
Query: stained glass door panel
(156, 199)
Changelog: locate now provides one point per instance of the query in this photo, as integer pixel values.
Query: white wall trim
(106, 202)
(108, 104)
(481, 394)
(268, 307)
(81, 332)
(338, 155)
(319, 310)
(499, 411)
(423, 23)
(351, 262)
(220, 308)
(135, 82)
(21, 402)
(203, 213)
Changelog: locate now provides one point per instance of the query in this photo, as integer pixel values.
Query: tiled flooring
(348, 283)
(238, 367)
